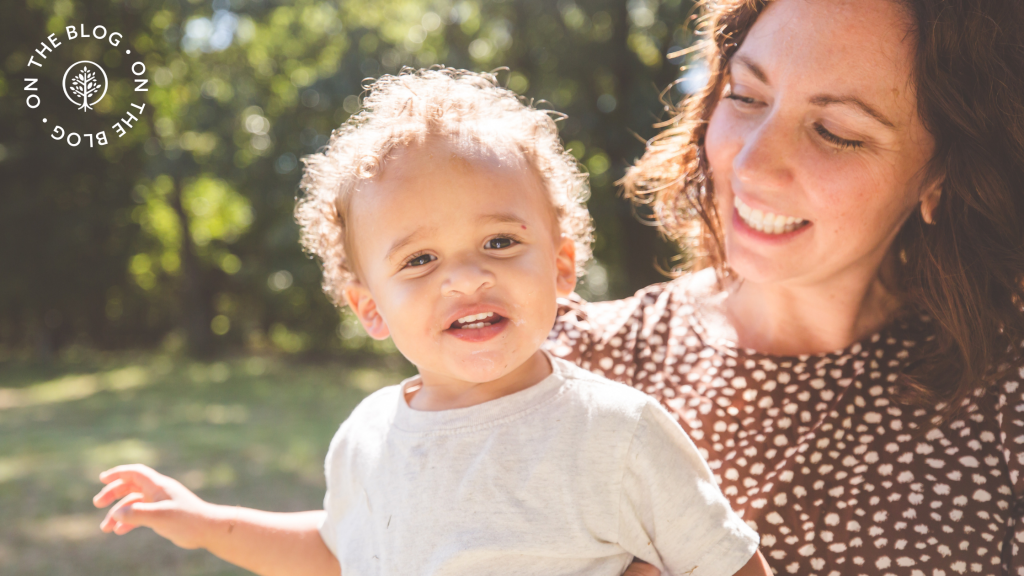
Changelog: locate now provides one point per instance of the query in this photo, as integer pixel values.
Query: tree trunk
(642, 245)
(194, 298)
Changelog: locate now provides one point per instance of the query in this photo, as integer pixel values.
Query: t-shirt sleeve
(671, 512)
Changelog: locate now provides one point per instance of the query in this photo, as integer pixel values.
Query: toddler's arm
(267, 543)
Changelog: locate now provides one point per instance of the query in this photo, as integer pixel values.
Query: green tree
(185, 226)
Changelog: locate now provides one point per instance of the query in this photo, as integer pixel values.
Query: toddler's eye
(499, 243)
(420, 260)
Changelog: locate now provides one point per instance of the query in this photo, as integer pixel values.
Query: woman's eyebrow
(752, 66)
(827, 100)
(820, 100)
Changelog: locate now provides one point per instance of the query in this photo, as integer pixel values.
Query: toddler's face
(460, 261)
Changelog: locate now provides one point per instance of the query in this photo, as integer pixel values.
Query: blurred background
(155, 305)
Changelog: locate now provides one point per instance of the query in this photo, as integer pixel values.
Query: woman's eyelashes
(836, 140)
(742, 101)
(746, 102)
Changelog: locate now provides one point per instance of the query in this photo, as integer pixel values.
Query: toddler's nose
(467, 278)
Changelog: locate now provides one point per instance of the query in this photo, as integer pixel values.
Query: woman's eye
(730, 94)
(499, 243)
(836, 140)
(420, 260)
(740, 99)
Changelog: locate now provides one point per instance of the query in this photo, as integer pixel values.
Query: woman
(850, 359)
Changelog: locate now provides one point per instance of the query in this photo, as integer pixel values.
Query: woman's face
(816, 149)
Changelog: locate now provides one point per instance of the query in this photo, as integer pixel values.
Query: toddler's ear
(365, 308)
(565, 262)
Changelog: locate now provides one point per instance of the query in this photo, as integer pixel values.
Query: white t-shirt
(574, 475)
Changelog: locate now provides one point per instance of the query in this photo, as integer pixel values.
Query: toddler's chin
(480, 370)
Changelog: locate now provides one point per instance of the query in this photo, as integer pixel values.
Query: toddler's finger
(139, 474)
(140, 513)
(121, 528)
(116, 489)
(116, 512)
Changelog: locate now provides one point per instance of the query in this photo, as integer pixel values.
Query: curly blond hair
(467, 108)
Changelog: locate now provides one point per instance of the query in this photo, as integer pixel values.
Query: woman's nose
(466, 278)
(765, 156)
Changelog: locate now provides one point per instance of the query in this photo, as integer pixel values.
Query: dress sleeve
(1010, 415)
(671, 512)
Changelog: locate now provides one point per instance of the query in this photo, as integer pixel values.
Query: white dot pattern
(813, 451)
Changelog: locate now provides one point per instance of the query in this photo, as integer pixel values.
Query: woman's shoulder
(583, 327)
(663, 299)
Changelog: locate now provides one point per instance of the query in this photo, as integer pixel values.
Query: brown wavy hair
(966, 272)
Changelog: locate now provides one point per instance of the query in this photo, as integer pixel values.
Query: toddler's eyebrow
(503, 218)
(404, 241)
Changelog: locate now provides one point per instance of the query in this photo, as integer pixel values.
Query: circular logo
(86, 115)
(85, 83)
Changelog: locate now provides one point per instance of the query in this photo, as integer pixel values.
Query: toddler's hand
(151, 499)
(641, 568)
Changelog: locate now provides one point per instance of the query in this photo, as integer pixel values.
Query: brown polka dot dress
(812, 451)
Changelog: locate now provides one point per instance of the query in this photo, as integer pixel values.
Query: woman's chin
(759, 268)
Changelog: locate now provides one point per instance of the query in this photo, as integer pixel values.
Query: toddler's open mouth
(482, 320)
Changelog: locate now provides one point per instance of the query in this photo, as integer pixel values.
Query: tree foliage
(183, 228)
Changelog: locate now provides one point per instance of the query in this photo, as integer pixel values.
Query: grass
(248, 431)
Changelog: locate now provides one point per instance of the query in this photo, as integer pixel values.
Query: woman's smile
(767, 222)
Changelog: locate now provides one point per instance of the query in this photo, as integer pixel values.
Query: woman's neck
(790, 320)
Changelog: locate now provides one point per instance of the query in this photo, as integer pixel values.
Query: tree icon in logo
(85, 83)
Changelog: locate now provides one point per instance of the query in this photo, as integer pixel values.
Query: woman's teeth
(766, 222)
(473, 320)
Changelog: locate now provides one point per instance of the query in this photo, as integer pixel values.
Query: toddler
(448, 217)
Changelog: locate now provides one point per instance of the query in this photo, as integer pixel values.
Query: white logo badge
(85, 83)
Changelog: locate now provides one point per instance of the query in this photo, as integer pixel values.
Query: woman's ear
(930, 201)
(565, 262)
(365, 308)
